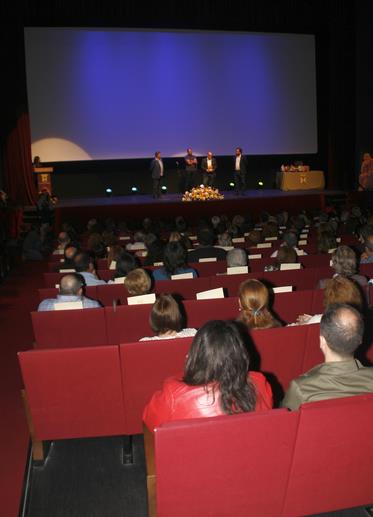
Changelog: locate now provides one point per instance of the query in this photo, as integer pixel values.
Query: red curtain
(19, 181)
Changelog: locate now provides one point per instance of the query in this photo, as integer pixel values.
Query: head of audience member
(205, 236)
(225, 239)
(237, 223)
(174, 237)
(147, 225)
(69, 254)
(365, 232)
(84, 263)
(125, 263)
(71, 285)
(326, 241)
(95, 245)
(138, 282)
(155, 251)
(343, 290)
(218, 358)
(109, 238)
(91, 224)
(341, 332)
(165, 317)
(215, 220)
(253, 298)
(290, 239)
(180, 224)
(236, 257)
(286, 255)
(344, 261)
(255, 237)
(114, 252)
(270, 229)
(63, 239)
(174, 256)
(139, 237)
(368, 245)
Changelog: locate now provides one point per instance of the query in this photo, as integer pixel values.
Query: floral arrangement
(202, 193)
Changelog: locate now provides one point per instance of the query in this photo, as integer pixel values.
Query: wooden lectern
(44, 178)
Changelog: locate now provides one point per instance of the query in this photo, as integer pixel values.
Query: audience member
(84, 264)
(206, 248)
(254, 306)
(175, 262)
(138, 282)
(340, 375)
(290, 239)
(63, 240)
(285, 255)
(71, 290)
(236, 257)
(344, 263)
(367, 255)
(216, 380)
(166, 320)
(125, 263)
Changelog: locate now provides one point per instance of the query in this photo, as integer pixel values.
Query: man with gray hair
(236, 257)
(71, 290)
(340, 375)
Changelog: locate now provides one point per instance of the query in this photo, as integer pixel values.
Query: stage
(137, 207)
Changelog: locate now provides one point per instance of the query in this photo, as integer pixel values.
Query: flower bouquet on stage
(202, 193)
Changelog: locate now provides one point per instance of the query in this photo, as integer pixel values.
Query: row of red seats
(126, 323)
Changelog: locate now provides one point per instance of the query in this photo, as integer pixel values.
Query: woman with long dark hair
(216, 380)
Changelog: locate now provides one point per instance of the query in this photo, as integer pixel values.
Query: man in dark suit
(157, 170)
(240, 170)
(209, 166)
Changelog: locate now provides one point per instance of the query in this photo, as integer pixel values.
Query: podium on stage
(44, 178)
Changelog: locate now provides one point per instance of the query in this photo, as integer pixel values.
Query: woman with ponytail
(253, 301)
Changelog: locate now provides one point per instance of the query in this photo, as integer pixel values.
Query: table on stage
(307, 180)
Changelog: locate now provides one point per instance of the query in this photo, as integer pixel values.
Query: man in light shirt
(240, 170)
(84, 264)
(157, 170)
(71, 290)
(209, 166)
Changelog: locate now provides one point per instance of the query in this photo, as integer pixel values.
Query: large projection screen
(97, 94)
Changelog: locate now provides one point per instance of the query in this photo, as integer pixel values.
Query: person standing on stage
(190, 169)
(157, 170)
(209, 167)
(240, 170)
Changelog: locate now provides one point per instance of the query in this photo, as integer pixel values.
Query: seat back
(186, 288)
(127, 323)
(72, 328)
(228, 465)
(332, 466)
(74, 392)
(145, 366)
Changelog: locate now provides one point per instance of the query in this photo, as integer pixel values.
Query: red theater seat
(200, 311)
(186, 288)
(226, 466)
(107, 294)
(332, 466)
(144, 367)
(75, 392)
(127, 323)
(73, 328)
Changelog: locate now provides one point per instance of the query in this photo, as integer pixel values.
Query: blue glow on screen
(109, 94)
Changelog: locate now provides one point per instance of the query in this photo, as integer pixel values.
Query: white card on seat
(238, 239)
(331, 263)
(193, 237)
(67, 306)
(208, 259)
(113, 264)
(210, 294)
(282, 227)
(62, 260)
(271, 239)
(300, 253)
(302, 243)
(57, 286)
(226, 248)
(67, 270)
(237, 270)
(338, 239)
(283, 289)
(286, 267)
(119, 280)
(181, 276)
(303, 236)
(332, 250)
(264, 245)
(141, 300)
(138, 246)
(255, 256)
(58, 252)
(158, 264)
(124, 238)
(142, 253)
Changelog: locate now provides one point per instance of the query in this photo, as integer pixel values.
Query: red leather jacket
(177, 401)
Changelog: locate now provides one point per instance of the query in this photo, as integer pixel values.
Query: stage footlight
(164, 188)
(134, 190)
(260, 184)
(108, 191)
(231, 185)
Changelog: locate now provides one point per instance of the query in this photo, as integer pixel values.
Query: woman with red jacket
(216, 380)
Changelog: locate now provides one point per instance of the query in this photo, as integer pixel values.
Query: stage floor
(137, 207)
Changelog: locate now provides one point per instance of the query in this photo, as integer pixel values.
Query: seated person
(84, 264)
(69, 254)
(236, 257)
(216, 380)
(285, 255)
(125, 263)
(253, 302)
(138, 282)
(290, 239)
(63, 240)
(71, 290)
(175, 262)
(340, 375)
(326, 240)
(206, 248)
(338, 290)
(166, 320)
(367, 255)
(344, 263)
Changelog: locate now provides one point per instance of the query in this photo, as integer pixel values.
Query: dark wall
(332, 22)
